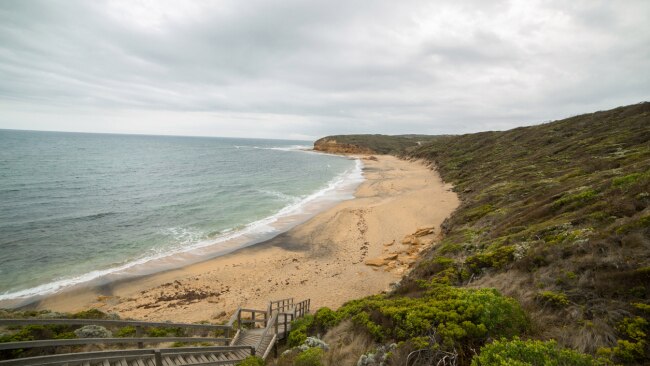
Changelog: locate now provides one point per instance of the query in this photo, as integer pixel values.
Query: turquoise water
(84, 207)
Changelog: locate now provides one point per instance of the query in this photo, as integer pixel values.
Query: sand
(357, 248)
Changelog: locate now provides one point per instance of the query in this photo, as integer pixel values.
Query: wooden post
(138, 334)
(239, 319)
(286, 330)
(157, 357)
(276, 326)
(252, 351)
(275, 350)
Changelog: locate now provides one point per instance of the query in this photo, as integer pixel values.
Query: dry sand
(355, 249)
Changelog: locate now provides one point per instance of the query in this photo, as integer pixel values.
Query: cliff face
(331, 145)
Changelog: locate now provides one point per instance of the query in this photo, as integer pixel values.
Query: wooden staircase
(253, 335)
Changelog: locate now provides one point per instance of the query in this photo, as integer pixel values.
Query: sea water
(77, 209)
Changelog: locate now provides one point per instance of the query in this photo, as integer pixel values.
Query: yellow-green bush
(553, 298)
(517, 352)
(299, 329)
(251, 361)
(309, 357)
(460, 317)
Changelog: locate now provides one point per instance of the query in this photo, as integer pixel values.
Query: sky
(306, 69)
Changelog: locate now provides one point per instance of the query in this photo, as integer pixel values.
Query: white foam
(340, 188)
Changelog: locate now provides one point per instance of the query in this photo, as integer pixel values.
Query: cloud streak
(305, 69)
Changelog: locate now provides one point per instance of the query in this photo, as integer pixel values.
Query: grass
(573, 196)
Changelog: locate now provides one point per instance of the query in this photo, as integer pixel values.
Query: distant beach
(356, 248)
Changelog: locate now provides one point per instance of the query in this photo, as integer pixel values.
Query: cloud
(301, 68)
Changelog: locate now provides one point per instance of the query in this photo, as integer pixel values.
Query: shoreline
(340, 188)
(354, 249)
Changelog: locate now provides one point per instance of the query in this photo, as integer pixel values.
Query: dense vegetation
(380, 144)
(555, 216)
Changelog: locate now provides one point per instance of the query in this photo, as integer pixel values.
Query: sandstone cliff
(331, 145)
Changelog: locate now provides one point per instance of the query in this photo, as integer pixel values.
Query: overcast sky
(305, 69)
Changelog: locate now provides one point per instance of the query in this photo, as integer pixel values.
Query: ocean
(82, 209)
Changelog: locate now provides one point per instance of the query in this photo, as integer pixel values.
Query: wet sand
(355, 249)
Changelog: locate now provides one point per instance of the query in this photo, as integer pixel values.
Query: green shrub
(576, 200)
(251, 361)
(477, 212)
(299, 329)
(626, 181)
(530, 353)
(325, 318)
(641, 306)
(309, 357)
(629, 351)
(124, 332)
(461, 317)
(494, 258)
(157, 332)
(635, 328)
(624, 351)
(553, 298)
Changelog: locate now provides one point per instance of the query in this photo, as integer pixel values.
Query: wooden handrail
(102, 355)
(268, 349)
(82, 341)
(133, 323)
(233, 317)
(273, 320)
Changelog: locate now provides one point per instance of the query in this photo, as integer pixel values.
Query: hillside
(370, 144)
(556, 213)
(555, 216)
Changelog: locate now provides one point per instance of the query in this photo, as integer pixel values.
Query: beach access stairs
(249, 332)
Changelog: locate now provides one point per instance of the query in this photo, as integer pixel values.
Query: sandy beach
(355, 249)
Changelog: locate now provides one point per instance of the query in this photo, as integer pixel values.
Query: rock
(381, 261)
(93, 331)
(410, 240)
(389, 244)
(424, 232)
(377, 262)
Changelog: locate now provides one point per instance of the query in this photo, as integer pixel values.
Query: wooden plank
(201, 358)
(119, 323)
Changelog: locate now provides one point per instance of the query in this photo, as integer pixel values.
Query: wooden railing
(279, 312)
(156, 354)
(302, 308)
(253, 318)
(84, 341)
(280, 305)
